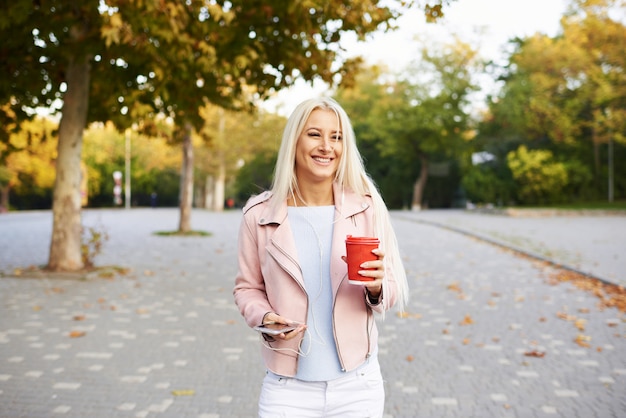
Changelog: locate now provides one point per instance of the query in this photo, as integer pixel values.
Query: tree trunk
(186, 196)
(209, 192)
(4, 198)
(220, 185)
(420, 184)
(220, 180)
(65, 245)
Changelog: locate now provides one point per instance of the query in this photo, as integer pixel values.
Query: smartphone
(275, 329)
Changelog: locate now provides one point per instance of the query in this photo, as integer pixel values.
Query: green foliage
(183, 233)
(540, 179)
(567, 95)
(154, 166)
(255, 176)
(5, 176)
(422, 117)
(483, 186)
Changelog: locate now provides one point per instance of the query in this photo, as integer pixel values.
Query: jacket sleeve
(249, 291)
(389, 293)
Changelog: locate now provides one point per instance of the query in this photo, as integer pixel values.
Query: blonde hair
(350, 173)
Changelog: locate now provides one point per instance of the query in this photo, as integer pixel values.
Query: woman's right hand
(274, 318)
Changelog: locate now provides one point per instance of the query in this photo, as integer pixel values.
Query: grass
(183, 234)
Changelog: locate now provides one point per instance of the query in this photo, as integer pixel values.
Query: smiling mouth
(322, 160)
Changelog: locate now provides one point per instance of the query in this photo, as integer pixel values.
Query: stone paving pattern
(485, 333)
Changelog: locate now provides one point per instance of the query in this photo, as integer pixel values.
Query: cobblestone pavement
(486, 334)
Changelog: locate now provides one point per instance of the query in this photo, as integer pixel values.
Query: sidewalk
(593, 244)
(486, 334)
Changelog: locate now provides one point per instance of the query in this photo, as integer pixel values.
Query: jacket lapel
(347, 204)
(281, 245)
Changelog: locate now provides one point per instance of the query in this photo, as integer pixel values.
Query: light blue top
(312, 228)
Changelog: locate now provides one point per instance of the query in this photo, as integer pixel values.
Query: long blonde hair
(351, 174)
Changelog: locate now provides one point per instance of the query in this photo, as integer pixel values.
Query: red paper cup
(358, 251)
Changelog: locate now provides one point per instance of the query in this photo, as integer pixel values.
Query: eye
(314, 134)
(337, 137)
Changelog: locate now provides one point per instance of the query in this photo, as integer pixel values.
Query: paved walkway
(486, 333)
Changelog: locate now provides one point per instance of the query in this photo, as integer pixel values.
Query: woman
(292, 270)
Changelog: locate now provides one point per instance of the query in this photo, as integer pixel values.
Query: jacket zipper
(299, 284)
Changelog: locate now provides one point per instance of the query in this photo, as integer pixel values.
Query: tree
(29, 167)
(426, 118)
(170, 55)
(230, 141)
(390, 170)
(566, 94)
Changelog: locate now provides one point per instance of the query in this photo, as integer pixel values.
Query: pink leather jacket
(270, 280)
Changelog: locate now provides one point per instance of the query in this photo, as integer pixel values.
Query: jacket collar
(347, 203)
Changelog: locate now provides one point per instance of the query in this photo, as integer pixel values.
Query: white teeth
(322, 160)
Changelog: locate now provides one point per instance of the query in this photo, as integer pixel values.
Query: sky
(485, 24)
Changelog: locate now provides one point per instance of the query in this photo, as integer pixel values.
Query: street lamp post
(127, 166)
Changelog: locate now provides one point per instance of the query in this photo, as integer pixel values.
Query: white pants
(358, 394)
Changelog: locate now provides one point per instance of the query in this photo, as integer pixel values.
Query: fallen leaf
(184, 392)
(79, 318)
(37, 308)
(566, 317)
(583, 310)
(106, 275)
(405, 315)
(467, 320)
(610, 295)
(77, 334)
(535, 353)
(583, 340)
(580, 324)
(410, 358)
(466, 341)
(454, 286)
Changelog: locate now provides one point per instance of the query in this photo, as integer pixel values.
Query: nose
(327, 144)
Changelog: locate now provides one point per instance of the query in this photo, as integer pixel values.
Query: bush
(539, 178)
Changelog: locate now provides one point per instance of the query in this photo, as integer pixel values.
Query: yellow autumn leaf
(184, 392)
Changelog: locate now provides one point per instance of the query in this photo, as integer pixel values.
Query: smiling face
(319, 148)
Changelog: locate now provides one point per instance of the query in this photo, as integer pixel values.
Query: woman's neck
(312, 196)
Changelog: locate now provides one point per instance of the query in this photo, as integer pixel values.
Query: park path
(487, 332)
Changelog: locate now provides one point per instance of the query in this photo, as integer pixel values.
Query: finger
(373, 264)
(380, 253)
(292, 334)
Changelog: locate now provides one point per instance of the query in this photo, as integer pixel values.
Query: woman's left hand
(374, 287)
